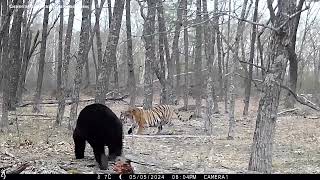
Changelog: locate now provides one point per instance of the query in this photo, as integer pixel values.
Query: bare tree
(65, 65)
(198, 60)
(186, 54)
(233, 67)
(168, 95)
(131, 75)
(82, 57)
(219, 49)
(110, 52)
(226, 71)
(175, 48)
(252, 49)
(14, 55)
(261, 150)
(161, 72)
(98, 35)
(209, 41)
(60, 87)
(4, 34)
(293, 60)
(36, 107)
(26, 39)
(149, 41)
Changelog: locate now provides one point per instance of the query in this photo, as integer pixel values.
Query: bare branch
(271, 10)
(291, 17)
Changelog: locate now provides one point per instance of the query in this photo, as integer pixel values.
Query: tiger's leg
(132, 128)
(159, 129)
(140, 129)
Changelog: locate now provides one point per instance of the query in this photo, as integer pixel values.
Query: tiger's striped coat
(155, 117)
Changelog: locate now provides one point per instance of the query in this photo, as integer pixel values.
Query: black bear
(98, 125)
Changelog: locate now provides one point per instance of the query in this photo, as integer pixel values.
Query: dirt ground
(183, 148)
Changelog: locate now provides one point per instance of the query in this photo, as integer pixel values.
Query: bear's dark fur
(98, 125)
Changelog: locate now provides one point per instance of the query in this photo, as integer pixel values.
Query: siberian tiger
(154, 117)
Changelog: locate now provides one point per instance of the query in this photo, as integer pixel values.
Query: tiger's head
(129, 114)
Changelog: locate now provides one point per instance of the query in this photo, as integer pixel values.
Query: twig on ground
(287, 110)
(19, 169)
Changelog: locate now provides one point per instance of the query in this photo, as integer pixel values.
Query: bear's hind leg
(79, 145)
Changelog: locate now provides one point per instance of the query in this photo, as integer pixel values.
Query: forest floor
(32, 138)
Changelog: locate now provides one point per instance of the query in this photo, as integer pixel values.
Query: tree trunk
(252, 49)
(98, 36)
(24, 53)
(293, 60)
(59, 68)
(261, 149)
(162, 71)
(131, 74)
(110, 53)
(169, 91)
(226, 81)
(175, 48)
(60, 85)
(5, 66)
(113, 62)
(14, 56)
(186, 55)
(209, 40)
(109, 13)
(233, 68)
(198, 60)
(219, 51)
(36, 107)
(82, 58)
(149, 41)
(24, 66)
(65, 65)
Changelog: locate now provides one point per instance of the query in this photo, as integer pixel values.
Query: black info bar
(158, 176)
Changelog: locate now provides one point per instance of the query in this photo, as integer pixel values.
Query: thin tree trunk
(226, 81)
(162, 71)
(186, 55)
(110, 52)
(233, 68)
(24, 52)
(98, 36)
(65, 65)
(252, 49)
(131, 74)
(59, 68)
(170, 95)
(149, 40)
(109, 13)
(113, 62)
(198, 60)
(175, 48)
(60, 85)
(36, 107)
(219, 51)
(209, 40)
(293, 60)
(24, 66)
(82, 58)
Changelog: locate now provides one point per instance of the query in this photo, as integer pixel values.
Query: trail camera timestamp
(184, 176)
